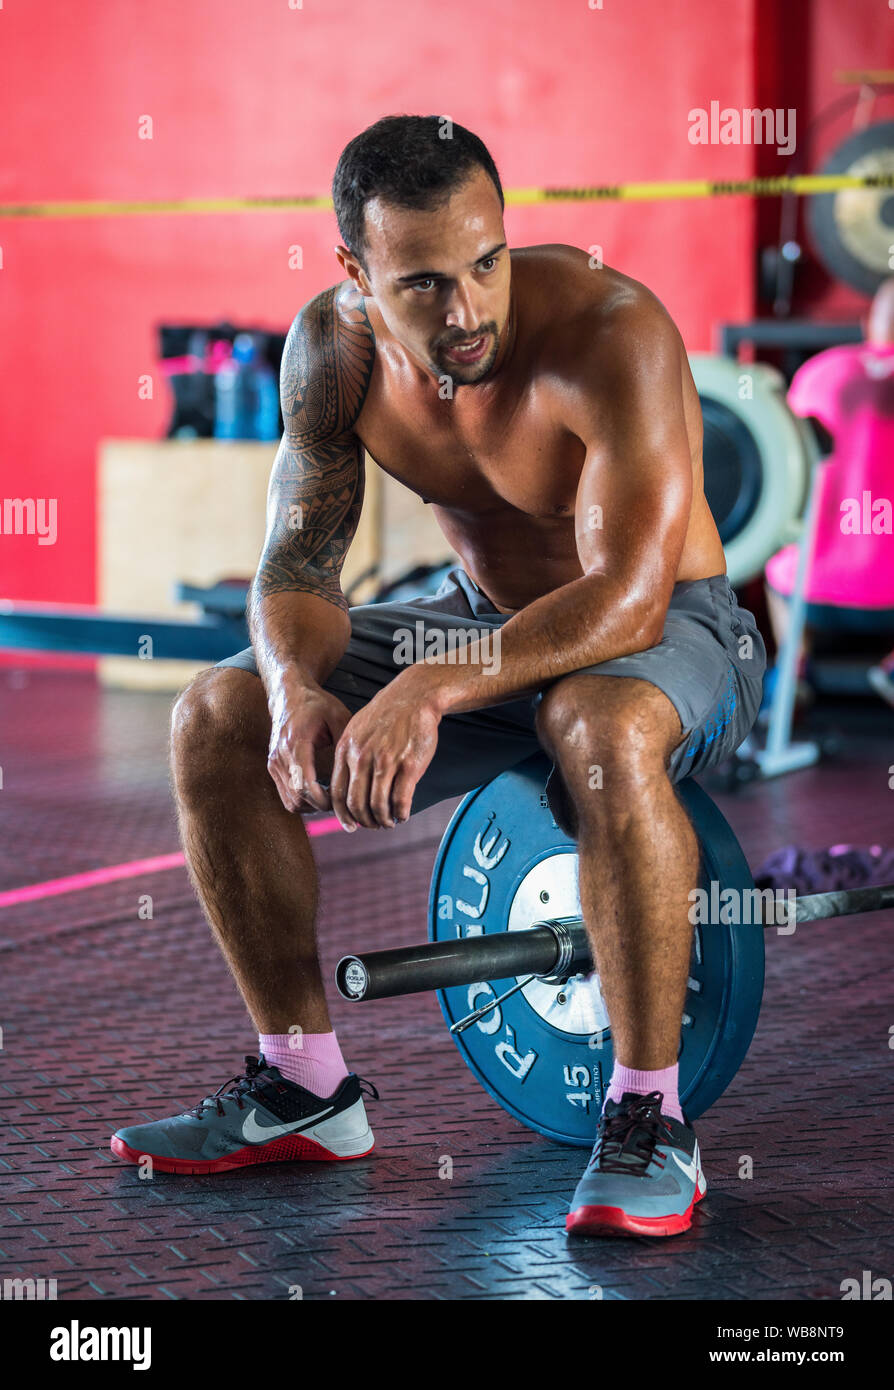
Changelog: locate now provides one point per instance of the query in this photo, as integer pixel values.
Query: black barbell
(509, 956)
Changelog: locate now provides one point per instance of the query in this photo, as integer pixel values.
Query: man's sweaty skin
(580, 409)
(564, 468)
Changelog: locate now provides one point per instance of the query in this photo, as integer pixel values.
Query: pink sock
(642, 1082)
(312, 1060)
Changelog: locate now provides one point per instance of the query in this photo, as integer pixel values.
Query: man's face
(440, 278)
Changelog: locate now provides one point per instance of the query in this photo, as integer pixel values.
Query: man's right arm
(298, 615)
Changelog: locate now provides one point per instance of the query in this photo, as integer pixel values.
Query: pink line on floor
(73, 882)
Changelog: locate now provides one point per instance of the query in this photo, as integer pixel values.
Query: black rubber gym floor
(110, 1017)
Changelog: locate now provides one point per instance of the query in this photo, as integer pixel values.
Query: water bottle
(244, 356)
(226, 396)
(265, 424)
(234, 390)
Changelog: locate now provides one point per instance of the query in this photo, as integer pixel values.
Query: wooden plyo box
(194, 511)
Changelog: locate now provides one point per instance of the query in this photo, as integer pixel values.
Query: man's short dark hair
(411, 161)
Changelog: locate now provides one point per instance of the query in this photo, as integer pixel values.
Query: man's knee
(222, 706)
(590, 723)
(583, 711)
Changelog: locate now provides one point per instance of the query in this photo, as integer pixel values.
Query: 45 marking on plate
(584, 1086)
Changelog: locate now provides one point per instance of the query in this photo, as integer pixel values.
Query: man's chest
(517, 456)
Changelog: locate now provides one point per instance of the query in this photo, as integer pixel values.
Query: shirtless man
(546, 410)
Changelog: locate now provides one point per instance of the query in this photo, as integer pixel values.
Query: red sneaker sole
(288, 1148)
(612, 1221)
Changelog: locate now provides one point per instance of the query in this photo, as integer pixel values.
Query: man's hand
(306, 720)
(381, 756)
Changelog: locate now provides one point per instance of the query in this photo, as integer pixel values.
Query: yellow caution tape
(702, 188)
(175, 205)
(866, 77)
(800, 184)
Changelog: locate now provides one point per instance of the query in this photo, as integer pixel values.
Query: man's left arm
(631, 517)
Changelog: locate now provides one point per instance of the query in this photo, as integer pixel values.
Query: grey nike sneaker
(257, 1117)
(645, 1175)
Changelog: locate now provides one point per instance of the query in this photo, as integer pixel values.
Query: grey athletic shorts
(710, 674)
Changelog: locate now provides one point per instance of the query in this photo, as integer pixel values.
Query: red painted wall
(260, 99)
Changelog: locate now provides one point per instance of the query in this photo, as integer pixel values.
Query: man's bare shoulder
(575, 291)
(604, 337)
(327, 363)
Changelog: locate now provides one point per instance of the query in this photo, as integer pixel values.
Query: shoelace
(251, 1079)
(635, 1132)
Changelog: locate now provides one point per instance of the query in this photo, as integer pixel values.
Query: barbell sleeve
(539, 950)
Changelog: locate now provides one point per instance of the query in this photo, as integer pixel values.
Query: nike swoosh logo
(690, 1169)
(254, 1132)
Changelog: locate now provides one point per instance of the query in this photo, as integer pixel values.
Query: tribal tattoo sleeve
(316, 486)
